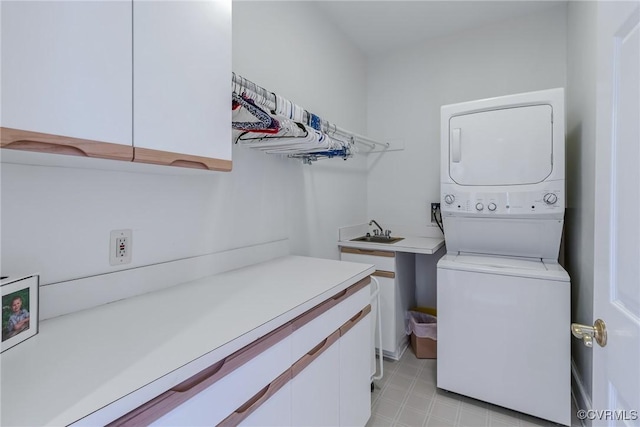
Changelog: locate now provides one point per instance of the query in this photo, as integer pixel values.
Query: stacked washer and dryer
(503, 299)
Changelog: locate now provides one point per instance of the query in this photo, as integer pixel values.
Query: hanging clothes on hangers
(299, 134)
(315, 121)
(288, 131)
(241, 105)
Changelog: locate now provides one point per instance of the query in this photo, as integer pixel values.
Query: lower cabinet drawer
(315, 391)
(215, 403)
(329, 385)
(309, 329)
(385, 263)
(275, 412)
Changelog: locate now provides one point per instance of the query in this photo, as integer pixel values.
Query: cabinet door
(66, 77)
(274, 412)
(315, 391)
(182, 83)
(355, 379)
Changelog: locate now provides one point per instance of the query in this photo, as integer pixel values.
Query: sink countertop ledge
(412, 244)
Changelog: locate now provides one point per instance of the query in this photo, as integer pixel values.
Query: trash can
(424, 334)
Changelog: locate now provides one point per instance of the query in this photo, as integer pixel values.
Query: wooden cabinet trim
(210, 375)
(16, 139)
(258, 399)
(354, 320)
(314, 353)
(171, 399)
(382, 273)
(167, 158)
(372, 252)
(323, 307)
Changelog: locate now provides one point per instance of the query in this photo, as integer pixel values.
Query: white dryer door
(508, 146)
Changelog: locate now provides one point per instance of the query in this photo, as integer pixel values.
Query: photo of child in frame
(15, 313)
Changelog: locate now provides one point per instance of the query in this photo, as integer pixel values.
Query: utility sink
(377, 239)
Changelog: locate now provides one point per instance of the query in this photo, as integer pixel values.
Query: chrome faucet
(373, 221)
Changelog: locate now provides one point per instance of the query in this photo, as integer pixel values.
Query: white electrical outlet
(120, 247)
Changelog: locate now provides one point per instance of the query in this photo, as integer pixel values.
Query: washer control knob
(449, 198)
(492, 206)
(550, 198)
(479, 206)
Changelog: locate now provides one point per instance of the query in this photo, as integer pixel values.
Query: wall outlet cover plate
(120, 247)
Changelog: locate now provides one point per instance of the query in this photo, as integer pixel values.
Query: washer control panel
(549, 200)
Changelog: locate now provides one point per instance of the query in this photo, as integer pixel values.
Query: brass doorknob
(588, 333)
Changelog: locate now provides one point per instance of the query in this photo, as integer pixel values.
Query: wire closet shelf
(286, 128)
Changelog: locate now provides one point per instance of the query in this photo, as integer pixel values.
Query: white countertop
(416, 245)
(81, 362)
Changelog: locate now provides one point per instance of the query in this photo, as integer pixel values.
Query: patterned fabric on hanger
(265, 124)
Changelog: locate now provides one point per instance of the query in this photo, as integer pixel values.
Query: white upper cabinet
(182, 83)
(139, 80)
(66, 72)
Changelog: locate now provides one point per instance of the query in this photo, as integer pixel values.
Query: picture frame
(20, 309)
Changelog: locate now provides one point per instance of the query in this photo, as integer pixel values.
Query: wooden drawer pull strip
(340, 295)
(189, 164)
(306, 360)
(258, 399)
(234, 361)
(382, 273)
(171, 399)
(168, 158)
(323, 307)
(46, 147)
(373, 252)
(354, 320)
(23, 140)
(201, 376)
(356, 287)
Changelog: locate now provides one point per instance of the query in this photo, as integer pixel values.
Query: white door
(616, 370)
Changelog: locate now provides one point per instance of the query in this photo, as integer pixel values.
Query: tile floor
(407, 397)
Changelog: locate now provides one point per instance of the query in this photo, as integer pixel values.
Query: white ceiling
(379, 26)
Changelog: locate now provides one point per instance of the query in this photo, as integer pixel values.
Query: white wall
(290, 49)
(581, 113)
(408, 87)
(56, 221)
